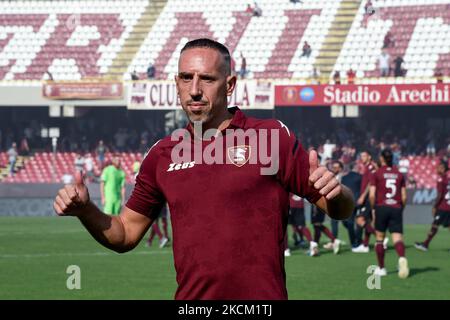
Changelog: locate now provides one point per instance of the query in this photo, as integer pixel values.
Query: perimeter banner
(157, 95)
(362, 95)
(82, 90)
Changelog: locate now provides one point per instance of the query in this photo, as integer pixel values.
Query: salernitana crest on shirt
(239, 155)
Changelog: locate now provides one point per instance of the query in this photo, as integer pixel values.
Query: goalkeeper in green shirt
(112, 187)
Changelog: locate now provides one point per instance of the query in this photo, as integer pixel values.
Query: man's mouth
(195, 107)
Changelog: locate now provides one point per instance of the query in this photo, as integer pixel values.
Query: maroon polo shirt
(443, 188)
(389, 183)
(228, 220)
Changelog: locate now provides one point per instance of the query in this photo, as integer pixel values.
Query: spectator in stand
(151, 71)
(439, 76)
(89, 166)
(24, 149)
(431, 147)
(337, 77)
(403, 167)
(315, 76)
(388, 41)
(121, 138)
(384, 64)
(351, 75)
(249, 10)
(306, 51)
(243, 70)
(12, 157)
(328, 149)
(368, 8)
(134, 76)
(79, 163)
(100, 151)
(398, 70)
(257, 11)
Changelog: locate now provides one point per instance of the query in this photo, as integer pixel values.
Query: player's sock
(431, 234)
(400, 248)
(358, 233)
(152, 235)
(368, 227)
(317, 233)
(379, 249)
(155, 228)
(165, 228)
(328, 233)
(305, 231)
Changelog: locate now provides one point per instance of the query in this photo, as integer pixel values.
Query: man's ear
(231, 84)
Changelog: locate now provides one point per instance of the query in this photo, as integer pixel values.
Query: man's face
(202, 84)
(336, 168)
(440, 169)
(365, 158)
(116, 162)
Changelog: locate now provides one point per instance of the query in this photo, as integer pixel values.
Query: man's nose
(195, 90)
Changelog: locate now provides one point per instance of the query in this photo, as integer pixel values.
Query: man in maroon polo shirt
(388, 199)
(229, 215)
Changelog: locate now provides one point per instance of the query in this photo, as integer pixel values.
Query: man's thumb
(79, 179)
(313, 161)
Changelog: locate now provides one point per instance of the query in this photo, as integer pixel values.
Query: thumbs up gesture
(72, 198)
(322, 179)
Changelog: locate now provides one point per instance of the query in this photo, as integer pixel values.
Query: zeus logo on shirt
(180, 166)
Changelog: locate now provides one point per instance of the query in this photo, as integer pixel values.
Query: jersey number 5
(390, 184)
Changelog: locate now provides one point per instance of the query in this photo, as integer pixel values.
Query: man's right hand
(72, 198)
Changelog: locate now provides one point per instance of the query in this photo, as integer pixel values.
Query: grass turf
(35, 253)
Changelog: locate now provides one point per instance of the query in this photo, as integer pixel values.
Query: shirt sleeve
(146, 197)
(294, 167)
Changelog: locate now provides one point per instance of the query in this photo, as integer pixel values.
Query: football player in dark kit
(297, 220)
(388, 198)
(363, 212)
(441, 208)
(228, 219)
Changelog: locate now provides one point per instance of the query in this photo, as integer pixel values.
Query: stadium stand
(84, 38)
(420, 32)
(70, 39)
(39, 168)
(44, 168)
(271, 43)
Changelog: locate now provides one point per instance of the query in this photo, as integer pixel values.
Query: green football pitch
(36, 252)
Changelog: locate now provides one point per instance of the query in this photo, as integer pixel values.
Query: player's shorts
(297, 217)
(442, 218)
(317, 216)
(389, 218)
(112, 207)
(364, 211)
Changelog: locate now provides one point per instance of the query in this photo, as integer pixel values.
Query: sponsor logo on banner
(248, 94)
(307, 94)
(376, 94)
(82, 90)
